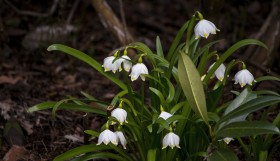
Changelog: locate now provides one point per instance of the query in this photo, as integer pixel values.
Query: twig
(31, 13)
(70, 16)
(123, 19)
(111, 21)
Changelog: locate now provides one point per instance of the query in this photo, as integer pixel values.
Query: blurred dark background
(30, 75)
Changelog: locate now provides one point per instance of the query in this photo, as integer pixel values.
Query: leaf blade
(192, 86)
(246, 128)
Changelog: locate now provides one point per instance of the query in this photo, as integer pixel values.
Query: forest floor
(30, 75)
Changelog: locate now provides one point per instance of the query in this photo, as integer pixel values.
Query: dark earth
(29, 74)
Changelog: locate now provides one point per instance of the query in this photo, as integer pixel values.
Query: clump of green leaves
(180, 115)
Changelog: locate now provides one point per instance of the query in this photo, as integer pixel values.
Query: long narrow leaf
(80, 150)
(232, 49)
(66, 106)
(159, 47)
(246, 128)
(250, 106)
(100, 155)
(223, 154)
(87, 59)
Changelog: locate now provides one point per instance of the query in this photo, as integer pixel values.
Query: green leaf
(246, 128)
(152, 153)
(237, 101)
(66, 106)
(100, 155)
(80, 150)
(177, 40)
(87, 59)
(159, 47)
(214, 98)
(264, 78)
(231, 50)
(92, 133)
(171, 90)
(223, 154)
(192, 86)
(158, 93)
(202, 50)
(250, 106)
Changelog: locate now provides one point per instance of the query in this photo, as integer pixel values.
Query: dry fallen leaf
(16, 153)
(9, 80)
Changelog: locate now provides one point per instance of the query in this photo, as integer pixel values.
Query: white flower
(171, 140)
(120, 114)
(204, 28)
(227, 140)
(220, 71)
(164, 115)
(109, 65)
(138, 70)
(126, 63)
(106, 137)
(121, 138)
(243, 77)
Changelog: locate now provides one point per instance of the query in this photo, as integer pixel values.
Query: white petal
(204, 28)
(244, 77)
(227, 140)
(171, 140)
(106, 137)
(164, 115)
(126, 64)
(111, 65)
(137, 70)
(120, 114)
(121, 138)
(220, 71)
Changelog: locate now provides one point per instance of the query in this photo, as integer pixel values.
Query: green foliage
(179, 102)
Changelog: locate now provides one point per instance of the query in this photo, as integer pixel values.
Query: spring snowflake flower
(138, 70)
(120, 114)
(227, 140)
(220, 71)
(171, 140)
(126, 63)
(204, 28)
(106, 137)
(111, 65)
(164, 115)
(243, 77)
(121, 138)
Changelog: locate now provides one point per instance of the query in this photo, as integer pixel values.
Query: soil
(30, 75)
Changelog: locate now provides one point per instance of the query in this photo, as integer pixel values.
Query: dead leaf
(5, 107)
(9, 79)
(74, 138)
(16, 153)
(28, 127)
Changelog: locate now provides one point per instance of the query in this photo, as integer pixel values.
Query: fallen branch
(111, 21)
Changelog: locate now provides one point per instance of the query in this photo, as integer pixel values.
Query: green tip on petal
(205, 35)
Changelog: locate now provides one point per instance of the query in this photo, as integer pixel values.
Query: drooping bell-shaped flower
(121, 138)
(164, 115)
(138, 70)
(243, 77)
(171, 140)
(220, 71)
(111, 65)
(106, 137)
(204, 28)
(126, 63)
(120, 114)
(227, 140)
